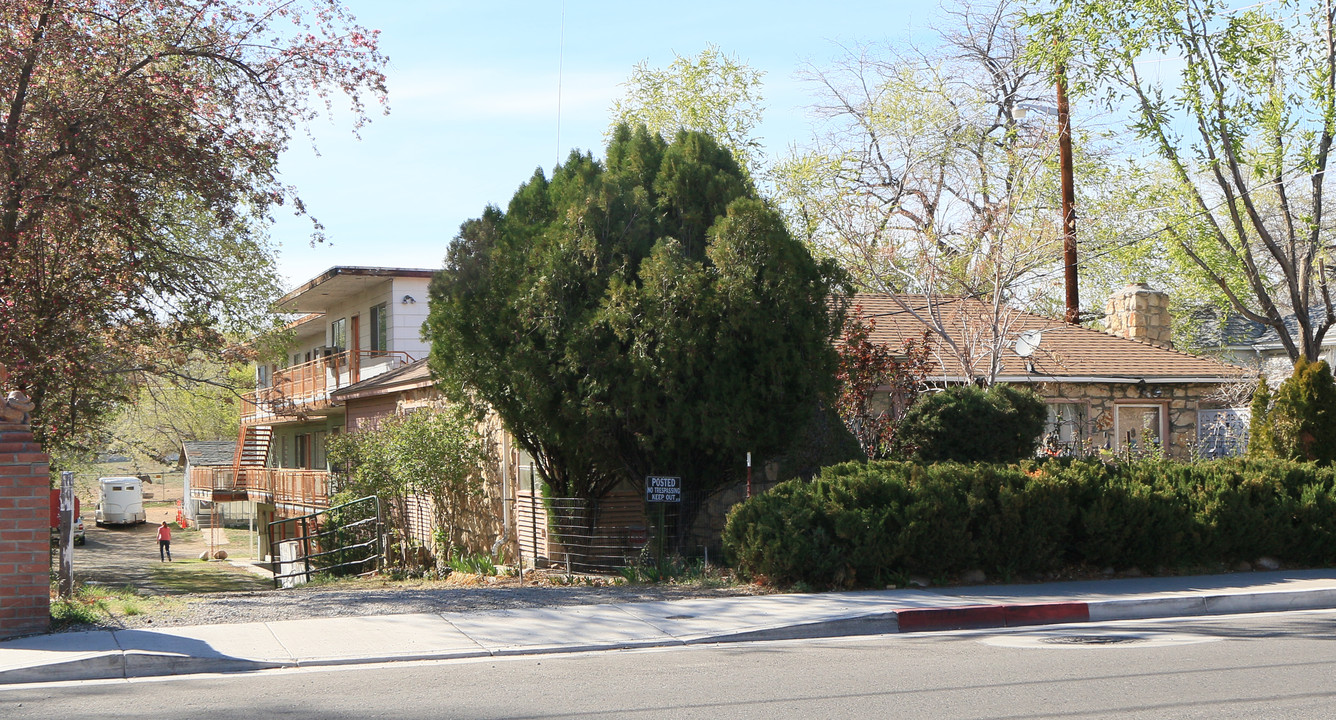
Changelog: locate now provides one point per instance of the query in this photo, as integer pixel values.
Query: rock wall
(1178, 405)
(1139, 313)
(25, 534)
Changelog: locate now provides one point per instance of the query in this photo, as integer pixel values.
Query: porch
(301, 389)
(305, 490)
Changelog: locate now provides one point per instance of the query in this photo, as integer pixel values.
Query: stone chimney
(1138, 313)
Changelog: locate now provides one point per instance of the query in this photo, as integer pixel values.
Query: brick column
(25, 535)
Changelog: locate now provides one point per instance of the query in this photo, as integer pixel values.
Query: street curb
(986, 616)
(1017, 615)
(140, 663)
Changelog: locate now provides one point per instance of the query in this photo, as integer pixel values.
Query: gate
(353, 544)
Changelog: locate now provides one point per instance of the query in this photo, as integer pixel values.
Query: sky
(473, 98)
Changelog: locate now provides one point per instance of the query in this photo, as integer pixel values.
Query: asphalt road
(1279, 665)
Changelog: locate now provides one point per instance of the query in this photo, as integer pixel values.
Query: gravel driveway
(377, 597)
(128, 557)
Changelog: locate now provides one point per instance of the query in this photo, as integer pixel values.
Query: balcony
(289, 487)
(305, 389)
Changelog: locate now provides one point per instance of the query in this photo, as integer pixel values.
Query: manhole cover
(1057, 640)
(1091, 639)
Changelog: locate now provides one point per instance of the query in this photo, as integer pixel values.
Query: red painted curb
(985, 616)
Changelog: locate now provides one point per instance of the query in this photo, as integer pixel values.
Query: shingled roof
(1066, 353)
(412, 376)
(210, 452)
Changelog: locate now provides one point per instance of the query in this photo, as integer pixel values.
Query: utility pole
(1073, 314)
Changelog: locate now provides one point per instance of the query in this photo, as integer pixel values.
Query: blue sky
(473, 105)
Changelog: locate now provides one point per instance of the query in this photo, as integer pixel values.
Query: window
(1222, 433)
(338, 334)
(1065, 431)
(1138, 429)
(303, 447)
(527, 472)
(380, 335)
(262, 375)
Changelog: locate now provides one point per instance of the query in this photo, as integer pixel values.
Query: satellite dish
(1028, 342)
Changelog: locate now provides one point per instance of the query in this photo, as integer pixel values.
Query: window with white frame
(1222, 432)
(1065, 431)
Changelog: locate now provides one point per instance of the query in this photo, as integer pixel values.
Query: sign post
(67, 534)
(662, 489)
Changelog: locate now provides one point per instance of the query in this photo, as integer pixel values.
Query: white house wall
(408, 311)
(405, 319)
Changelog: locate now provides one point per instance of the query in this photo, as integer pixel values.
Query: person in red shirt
(164, 542)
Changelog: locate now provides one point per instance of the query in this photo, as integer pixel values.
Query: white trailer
(120, 501)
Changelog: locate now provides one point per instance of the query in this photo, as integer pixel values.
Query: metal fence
(581, 535)
(352, 544)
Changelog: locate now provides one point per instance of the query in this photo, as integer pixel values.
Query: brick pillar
(25, 535)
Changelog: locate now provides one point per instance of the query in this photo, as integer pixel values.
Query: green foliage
(1259, 422)
(971, 424)
(711, 93)
(473, 564)
(199, 404)
(645, 315)
(1242, 131)
(433, 453)
(1302, 417)
(867, 524)
(924, 177)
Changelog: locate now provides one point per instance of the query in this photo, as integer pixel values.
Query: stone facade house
(1125, 391)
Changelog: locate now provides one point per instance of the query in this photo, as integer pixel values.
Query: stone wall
(1179, 403)
(1139, 313)
(25, 535)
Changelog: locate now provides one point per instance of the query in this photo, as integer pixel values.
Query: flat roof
(340, 281)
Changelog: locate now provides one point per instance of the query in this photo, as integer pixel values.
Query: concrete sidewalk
(338, 641)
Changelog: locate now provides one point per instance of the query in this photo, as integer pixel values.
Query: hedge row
(869, 524)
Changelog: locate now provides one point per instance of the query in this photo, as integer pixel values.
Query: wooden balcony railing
(280, 486)
(303, 388)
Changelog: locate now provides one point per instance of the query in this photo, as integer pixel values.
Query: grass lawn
(200, 576)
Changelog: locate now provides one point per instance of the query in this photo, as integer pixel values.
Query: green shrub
(1019, 522)
(969, 424)
(1259, 426)
(783, 537)
(868, 524)
(1302, 417)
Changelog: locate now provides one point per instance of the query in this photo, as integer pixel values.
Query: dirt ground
(128, 557)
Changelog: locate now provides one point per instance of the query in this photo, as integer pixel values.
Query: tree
(711, 92)
(1259, 424)
(647, 315)
(877, 386)
(926, 180)
(1300, 423)
(436, 453)
(199, 403)
(138, 150)
(1245, 125)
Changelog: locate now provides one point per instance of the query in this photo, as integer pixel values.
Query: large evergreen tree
(644, 315)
